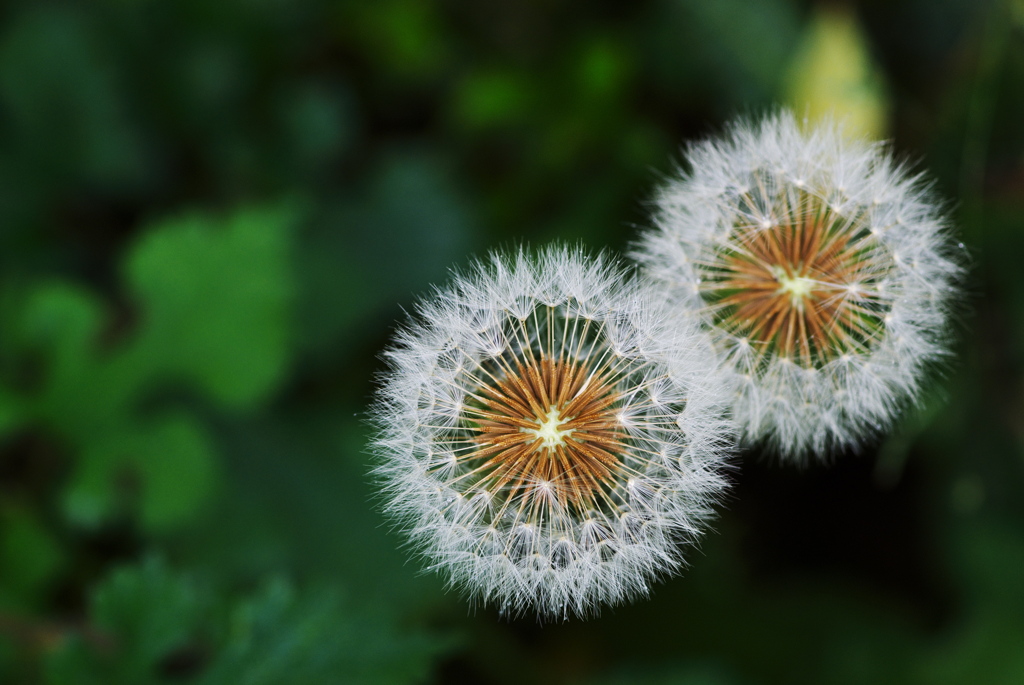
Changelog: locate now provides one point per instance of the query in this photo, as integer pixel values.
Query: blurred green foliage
(229, 344)
(212, 214)
(152, 626)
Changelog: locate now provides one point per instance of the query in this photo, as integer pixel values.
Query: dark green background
(212, 214)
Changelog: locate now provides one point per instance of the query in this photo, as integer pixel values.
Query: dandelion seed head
(824, 272)
(543, 471)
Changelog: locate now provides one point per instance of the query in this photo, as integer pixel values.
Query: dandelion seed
(823, 270)
(530, 434)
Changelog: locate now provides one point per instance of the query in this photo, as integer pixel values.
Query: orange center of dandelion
(805, 287)
(548, 429)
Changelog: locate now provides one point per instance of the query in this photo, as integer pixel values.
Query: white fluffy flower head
(545, 440)
(823, 270)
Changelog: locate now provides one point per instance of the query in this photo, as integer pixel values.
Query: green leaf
(144, 619)
(164, 468)
(29, 557)
(298, 496)
(92, 494)
(64, 321)
(215, 300)
(61, 323)
(150, 611)
(215, 296)
(281, 638)
(176, 460)
(140, 615)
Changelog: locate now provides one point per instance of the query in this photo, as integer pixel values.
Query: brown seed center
(548, 430)
(804, 287)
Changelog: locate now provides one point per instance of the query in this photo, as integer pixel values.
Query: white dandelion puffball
(545, 440)
(823, 270)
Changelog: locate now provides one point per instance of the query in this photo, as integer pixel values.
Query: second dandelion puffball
(823, 270)
(547, 437)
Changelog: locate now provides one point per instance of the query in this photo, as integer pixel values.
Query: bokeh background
(213, 213)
